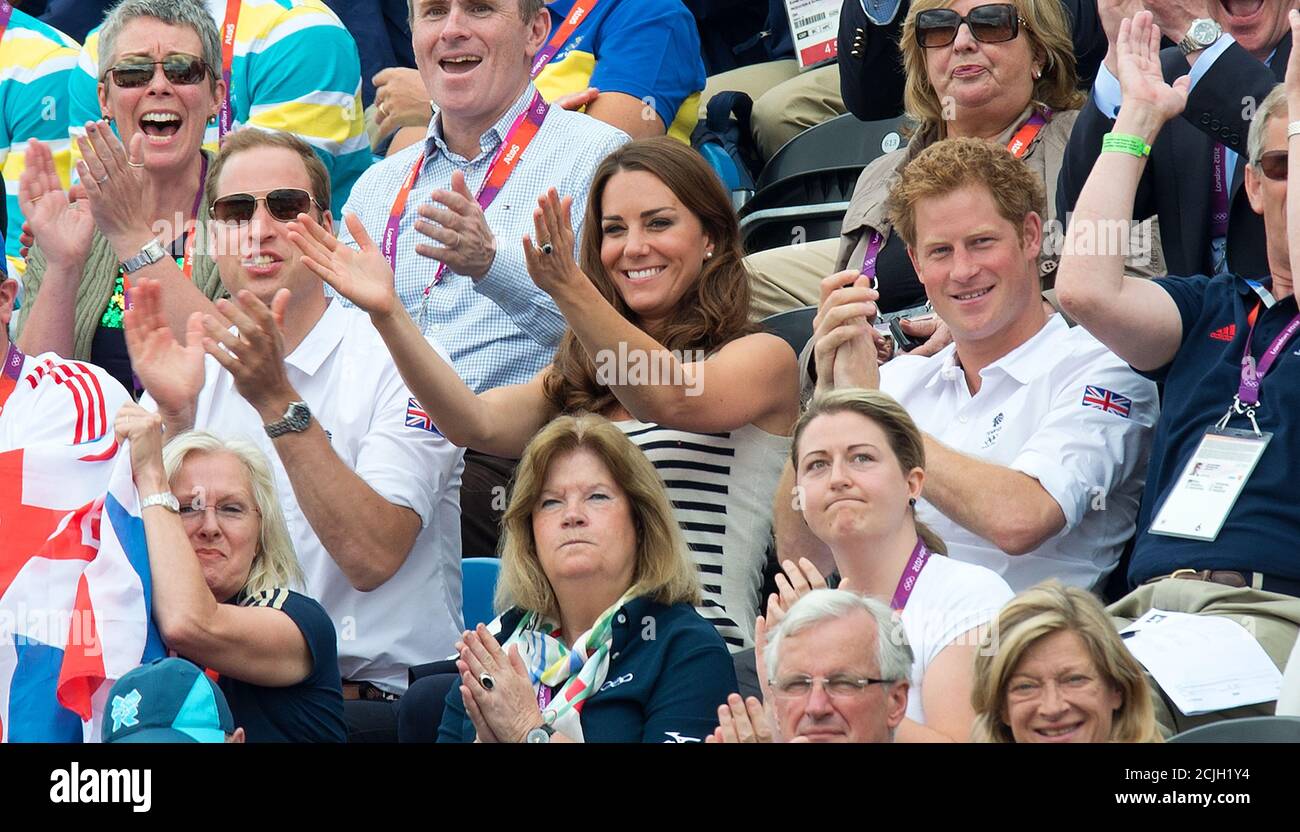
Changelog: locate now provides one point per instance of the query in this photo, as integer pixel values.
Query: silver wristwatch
(152, 252)
(295, 420)
(1200, 35)
(541, 733)
(166, 499)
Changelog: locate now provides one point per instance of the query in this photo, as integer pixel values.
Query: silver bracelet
(1293, 129)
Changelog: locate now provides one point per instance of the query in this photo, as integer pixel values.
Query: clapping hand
(495, 687)
(255, 354)
(172, 372)
(363, 277)
(847, 348)
(1293, 65)
(468, 245)
(62, 225)
(115, 182)
(556, 270)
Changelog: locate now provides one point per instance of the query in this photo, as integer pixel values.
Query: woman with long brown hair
(660, 342)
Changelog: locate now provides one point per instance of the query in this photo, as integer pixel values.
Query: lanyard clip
(1240, 409)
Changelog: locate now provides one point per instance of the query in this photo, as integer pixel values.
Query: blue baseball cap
(167, 700)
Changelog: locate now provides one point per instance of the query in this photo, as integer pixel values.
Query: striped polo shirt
(295, 70)
(36, 61)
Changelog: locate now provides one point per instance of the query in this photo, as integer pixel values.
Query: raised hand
(797, 581)
(143, 430)
(509, 707)
(363, 277)
(172, 372)
(255, 354)
(1293, 63)
(115, 183)
(1141, 78)
(741, 721)
(555, 271)
(401, 99)
(468, 245)
(64, 227)
(932, 331)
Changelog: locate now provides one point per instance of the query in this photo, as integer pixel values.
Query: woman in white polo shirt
(859, 464)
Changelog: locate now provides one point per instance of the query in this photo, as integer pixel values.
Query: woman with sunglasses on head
(137, 209)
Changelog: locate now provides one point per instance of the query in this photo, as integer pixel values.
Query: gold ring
(131, 164)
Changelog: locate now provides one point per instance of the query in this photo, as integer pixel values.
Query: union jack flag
(417, 418)
(1106, 400)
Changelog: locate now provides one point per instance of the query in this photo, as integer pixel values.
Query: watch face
(1205, 31)
(299, 417)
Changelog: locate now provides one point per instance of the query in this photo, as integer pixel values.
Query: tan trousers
(786, 101)
(1272, 619)
(789, 277)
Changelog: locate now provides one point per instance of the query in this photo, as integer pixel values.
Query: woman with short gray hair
(138, 208)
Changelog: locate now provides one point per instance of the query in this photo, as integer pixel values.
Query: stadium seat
(478, 586)
(1249, 730)
(844, 141)
(794, 325)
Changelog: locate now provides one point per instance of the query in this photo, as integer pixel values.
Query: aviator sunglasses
(178, 68)
(1273, 164)
(991, 23)
(284, 204)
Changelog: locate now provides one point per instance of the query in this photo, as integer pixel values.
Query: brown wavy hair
(1048, 29)
(715, 308)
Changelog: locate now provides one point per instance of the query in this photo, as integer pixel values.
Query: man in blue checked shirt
(499, 328)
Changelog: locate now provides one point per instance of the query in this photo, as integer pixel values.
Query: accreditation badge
(1209, 485)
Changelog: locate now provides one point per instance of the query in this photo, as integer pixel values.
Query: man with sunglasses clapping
(369, 487)
(1219, 518)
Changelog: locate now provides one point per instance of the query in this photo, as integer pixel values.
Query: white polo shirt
(1064, 410)
(347, 377)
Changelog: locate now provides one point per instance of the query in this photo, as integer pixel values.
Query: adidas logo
(1224, 333)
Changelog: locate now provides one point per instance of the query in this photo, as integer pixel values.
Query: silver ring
(486, 681)
(101, 180)
(547, 248)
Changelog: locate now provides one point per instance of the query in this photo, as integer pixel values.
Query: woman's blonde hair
(900, 431)
(1051, 607)
(1048, 30)
(275, 564)
(663, 569)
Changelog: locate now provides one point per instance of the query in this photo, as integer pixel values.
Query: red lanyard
(1018, 146)
(6, 11)
(227, 118)
(12, 370)
(907, 583)
(577, 14)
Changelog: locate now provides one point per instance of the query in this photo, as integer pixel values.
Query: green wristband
(1125, 143)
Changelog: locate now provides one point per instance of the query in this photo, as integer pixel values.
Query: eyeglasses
(226, 512)
(285, 204)
(179, 69)
(836, 687)
(1026, 690)
(991, 23)
(1273, 164)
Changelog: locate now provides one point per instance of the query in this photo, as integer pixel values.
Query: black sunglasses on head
(284, 204)
(991, 23)
(178, 68)
(1273, 164)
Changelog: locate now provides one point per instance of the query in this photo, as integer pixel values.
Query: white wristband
(1293, 129)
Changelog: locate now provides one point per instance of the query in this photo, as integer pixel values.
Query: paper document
(1203, 662)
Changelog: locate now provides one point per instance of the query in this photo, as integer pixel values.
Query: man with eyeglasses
(839, 673)
(369, 488)
(1219, 518)
(1232, 52)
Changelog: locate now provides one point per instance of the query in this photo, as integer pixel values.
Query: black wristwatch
(295, 420)
(542, 733)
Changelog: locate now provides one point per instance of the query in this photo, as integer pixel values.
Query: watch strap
(1188, 44)
(166, 499)
(296, 419)
(149, 254)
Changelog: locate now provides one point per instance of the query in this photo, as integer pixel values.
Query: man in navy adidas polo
(1220, 516)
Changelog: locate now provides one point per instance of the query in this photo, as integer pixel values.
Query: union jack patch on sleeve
(1107, 400)
(417, 418)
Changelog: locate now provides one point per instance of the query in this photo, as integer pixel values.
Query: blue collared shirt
(503, 329)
